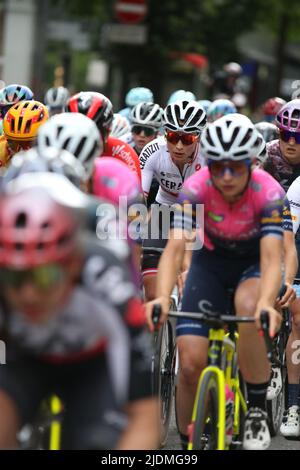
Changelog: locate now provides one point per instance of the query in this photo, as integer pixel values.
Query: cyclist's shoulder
(273, 150)
(265, 189)
(153, 149)
(293, 193)
(262, 180)
(198, 183)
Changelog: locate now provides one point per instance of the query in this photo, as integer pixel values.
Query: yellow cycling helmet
(23, 120)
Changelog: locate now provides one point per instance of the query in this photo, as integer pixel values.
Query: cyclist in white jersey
(170, 160)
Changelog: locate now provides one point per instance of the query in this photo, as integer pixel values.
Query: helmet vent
(28, 126)
(21, 220)
(45, 225)
(80, 146)
(247, 137)
(59, 130)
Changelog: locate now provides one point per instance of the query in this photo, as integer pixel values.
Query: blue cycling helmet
(11, 95)
(220, 108)
(180, 95)
(138, 95)
(205, 104)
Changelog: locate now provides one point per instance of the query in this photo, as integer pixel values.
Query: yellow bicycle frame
(223, 378)
(55, 427)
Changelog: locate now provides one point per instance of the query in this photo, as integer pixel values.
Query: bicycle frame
(222, 344)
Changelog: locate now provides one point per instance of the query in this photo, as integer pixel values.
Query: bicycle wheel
(209, 420)
(276, 405)
(163, 375)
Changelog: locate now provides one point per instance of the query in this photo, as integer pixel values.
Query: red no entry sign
(130, 11)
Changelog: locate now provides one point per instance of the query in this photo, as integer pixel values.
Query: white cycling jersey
(156, 162)
(293, 196)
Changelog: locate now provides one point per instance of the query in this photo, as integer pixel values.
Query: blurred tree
(209, 27)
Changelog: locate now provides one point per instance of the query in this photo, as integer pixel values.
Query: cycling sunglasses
(186, 139)
(286, 135)
(148, 131)
(236, 169)
(18, 145)
(42, 277)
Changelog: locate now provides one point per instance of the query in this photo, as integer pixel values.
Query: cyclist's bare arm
(169, 266)
(271, 249)
(143, 426)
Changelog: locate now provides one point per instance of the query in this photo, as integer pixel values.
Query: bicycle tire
(276, 406)
(163, 375)
(209, 422)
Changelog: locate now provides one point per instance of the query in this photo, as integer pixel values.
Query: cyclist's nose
(227, 174)
(292, 141)
(179, 144)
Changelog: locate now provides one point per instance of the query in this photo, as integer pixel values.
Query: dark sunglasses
(148, 131)
(43, 277)
(236, 169)
(186, 139)
(286, 135)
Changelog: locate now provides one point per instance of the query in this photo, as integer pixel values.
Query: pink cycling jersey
(235, 228)
(113, 179)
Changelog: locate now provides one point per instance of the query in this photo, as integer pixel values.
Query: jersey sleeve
(293, 196)
(148, 171)
(272, 222)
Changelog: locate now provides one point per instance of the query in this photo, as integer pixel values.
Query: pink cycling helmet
(113, 179)
(288, 118)
(35, 230)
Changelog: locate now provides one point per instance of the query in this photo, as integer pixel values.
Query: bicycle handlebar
(215, 319)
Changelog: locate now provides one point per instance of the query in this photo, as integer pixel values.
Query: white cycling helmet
(57, 97)
(232, 137)
(120, 126)
(53, 160)
(147, 114)
(184, 116)
(74, 132)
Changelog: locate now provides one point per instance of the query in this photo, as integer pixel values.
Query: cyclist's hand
(165, 305)
(275, 320)
(288, 298)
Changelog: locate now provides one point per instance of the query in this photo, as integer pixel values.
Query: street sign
(131, 11)
(124, 34)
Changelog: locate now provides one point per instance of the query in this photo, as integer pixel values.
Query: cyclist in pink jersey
(112, 179)
(242, 252)
(114, 182)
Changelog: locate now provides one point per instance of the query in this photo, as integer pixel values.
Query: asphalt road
(278, 442)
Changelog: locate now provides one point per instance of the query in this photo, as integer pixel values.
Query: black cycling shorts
(157, 235)
(211, 280)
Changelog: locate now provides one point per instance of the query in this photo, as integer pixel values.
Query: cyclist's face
(142, 137)
(180, 153)
(290, 150)
(38, 303)
(230, 178)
